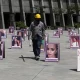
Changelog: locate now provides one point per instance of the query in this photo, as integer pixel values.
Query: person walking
(37, 30)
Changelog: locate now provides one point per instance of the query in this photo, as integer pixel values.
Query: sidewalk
(13, 67)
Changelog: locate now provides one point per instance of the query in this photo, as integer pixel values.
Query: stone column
(31, 2)
(62, 22)
(62, 14)
(70, 15)
(52, 15)
(22, 13)
(42, 11)
(12, 14)
(2, 26)
(77, 11)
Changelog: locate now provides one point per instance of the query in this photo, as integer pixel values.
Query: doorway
(47, 15)
(28, 19)
(6, 19)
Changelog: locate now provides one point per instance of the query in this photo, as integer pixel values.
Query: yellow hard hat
(37, 16)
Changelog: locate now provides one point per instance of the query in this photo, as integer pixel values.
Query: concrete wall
(26, 6)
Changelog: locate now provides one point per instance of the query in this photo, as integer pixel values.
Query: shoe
(37, 58)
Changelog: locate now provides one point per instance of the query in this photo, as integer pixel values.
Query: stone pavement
(13, 67)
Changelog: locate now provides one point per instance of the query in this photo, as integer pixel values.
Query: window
(54, 0)
(73, 1)
(64, 0)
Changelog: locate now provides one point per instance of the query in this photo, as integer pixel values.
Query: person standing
(37, 31)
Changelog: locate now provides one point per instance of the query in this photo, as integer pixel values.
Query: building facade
(53, 12)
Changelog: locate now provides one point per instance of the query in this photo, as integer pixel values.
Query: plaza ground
(13, 67)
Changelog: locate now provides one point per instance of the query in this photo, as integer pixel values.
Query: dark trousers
(37, 45)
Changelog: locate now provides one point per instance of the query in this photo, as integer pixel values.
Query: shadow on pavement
(9, 48)
(74, 70)
(42, 60)
(67, 42)
(68, 48)
(26, 57)
(31, 51)
(29, 58)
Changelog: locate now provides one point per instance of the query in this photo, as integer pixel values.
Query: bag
(42, 41)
